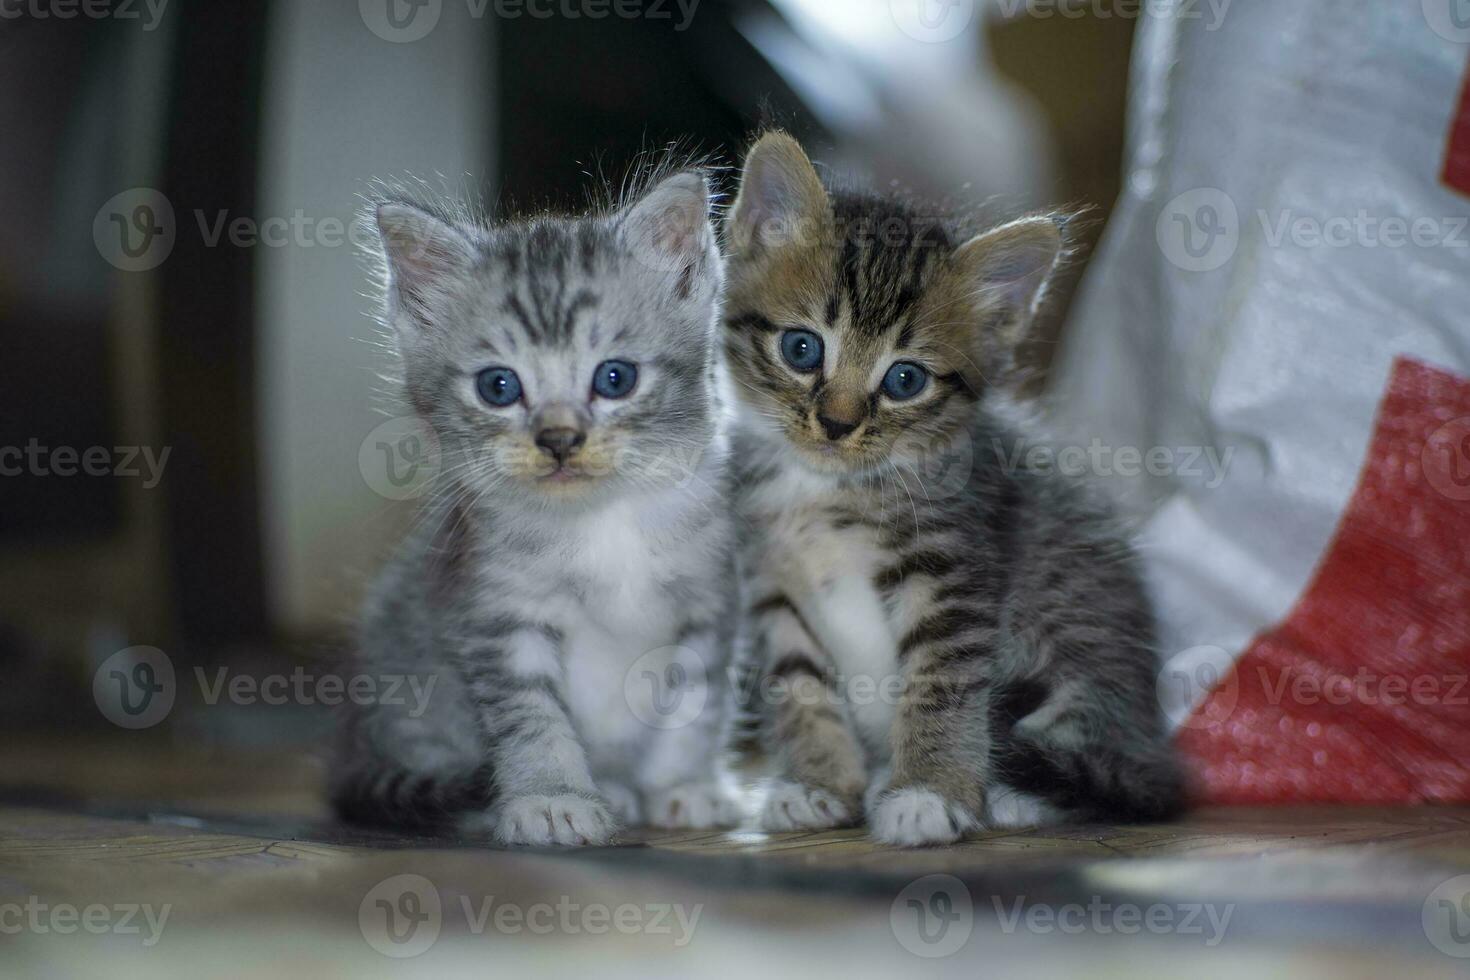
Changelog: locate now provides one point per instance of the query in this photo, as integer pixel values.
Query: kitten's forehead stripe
(583, 300)
(588, 244)
(538, 263)
(514, 307)
(753, 321)
(887, 254)
(834, 307)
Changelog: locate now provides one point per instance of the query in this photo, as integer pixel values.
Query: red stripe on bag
(1457, 157)
(1363, 693)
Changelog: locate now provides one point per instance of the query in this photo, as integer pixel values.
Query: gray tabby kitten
(944, 654)
(577, 543)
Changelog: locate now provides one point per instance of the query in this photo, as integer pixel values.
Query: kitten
(576, 545)
(945, 653)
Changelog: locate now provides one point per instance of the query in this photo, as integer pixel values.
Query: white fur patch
(532, 654)
(1012, 809)
(544, 821)
(704, 806)
(791, 806)
(918, 818)
(851, 623)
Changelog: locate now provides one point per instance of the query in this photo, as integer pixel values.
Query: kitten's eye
(615, 379)
(905, 380)
(802, 350)
(499, 387)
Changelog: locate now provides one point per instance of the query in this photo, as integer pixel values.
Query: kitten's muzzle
(560, 443)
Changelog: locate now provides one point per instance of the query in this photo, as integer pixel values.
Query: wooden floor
(230, 866)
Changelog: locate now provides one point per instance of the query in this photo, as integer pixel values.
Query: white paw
(918, 817)
(539, 821)
(696, 806)
(623, 802)
(1012, 809)
(792, 806)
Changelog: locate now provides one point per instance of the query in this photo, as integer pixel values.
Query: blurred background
(194, 459)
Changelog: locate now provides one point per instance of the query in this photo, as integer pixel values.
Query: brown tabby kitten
(945, 645)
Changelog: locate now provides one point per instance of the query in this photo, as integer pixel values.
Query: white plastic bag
(1287, 244)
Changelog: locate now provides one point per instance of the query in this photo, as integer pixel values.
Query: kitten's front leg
(544, 789)
(822, 772)
(680, 771)
(941, 750)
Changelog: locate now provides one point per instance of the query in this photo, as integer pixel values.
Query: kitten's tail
(399, 799)
(1144, 785)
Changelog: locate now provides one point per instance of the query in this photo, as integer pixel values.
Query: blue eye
(499, 387)
(802, 350)
(905, 380)
(615, 379)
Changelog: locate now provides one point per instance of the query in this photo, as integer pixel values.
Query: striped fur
(534, 599)
(933, 631)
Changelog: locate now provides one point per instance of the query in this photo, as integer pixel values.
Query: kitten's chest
(617, 615)
(810, 535)
(617, 578)
(819, 550)
(809, 546)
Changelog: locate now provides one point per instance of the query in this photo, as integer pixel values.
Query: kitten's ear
(1008, 269)
(425, 255)
(781, 197)
(669, 228)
